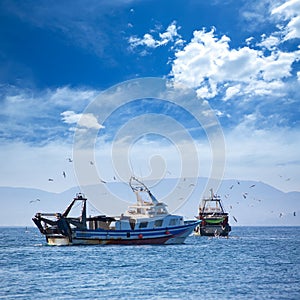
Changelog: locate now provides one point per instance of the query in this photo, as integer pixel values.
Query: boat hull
(163, 236)
(213, 230)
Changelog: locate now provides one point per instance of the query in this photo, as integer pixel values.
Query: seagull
(288, 179)
(103, 181)
(253, 185)
(231, 187)
(234, 218)
(91, 163)
(50, 179)
(64, 174)
(238, 182)
(191, 184)
(245, 195)
(294, 214)
(36, 200)
(280, 215)
(69, 159)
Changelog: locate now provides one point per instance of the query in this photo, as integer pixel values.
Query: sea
(253, 263)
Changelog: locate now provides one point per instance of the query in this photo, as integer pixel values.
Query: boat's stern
(58, 240)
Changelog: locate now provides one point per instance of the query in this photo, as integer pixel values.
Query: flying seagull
(50, 179)
(64, 174)
(253, 185)
(69, 159)
(234, 218)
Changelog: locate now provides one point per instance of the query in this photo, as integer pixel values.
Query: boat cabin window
(173, 222)
(158, 223)
(143, 224)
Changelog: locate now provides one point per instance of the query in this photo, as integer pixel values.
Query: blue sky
(241, 59)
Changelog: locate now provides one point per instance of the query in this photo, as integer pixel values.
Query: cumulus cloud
(207, 62)
(232, 91)
(289, 11)
(148, 40)
(83, 120)
(269, 42)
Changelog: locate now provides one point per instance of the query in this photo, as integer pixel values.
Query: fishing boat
(214, 219)
(145, 222)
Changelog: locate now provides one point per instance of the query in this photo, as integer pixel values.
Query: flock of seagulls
(70, 160)
(245, 196)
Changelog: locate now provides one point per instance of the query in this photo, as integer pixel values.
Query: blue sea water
(253, 263)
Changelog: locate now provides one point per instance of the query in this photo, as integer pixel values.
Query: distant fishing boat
(146, 222)
(214, 219)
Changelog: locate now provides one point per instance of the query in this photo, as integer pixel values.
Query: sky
(99, 90)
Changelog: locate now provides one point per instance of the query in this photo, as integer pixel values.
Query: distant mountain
(251, 203)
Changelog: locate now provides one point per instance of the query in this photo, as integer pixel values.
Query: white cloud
(289, 11)
(207, 63)
(232, 91)
(149, 41)
(169, 34)
(293, 28)
(65, 96)
(34, 115)
(270, 42)
(83, 120)
(278, 65)
(70, 117)
(251, 153)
